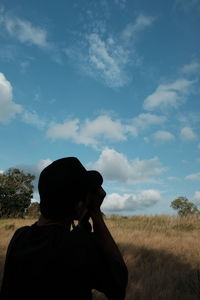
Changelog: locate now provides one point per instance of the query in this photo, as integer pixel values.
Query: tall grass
(162, 254)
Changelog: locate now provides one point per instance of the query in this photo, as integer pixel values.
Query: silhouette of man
(48, 260)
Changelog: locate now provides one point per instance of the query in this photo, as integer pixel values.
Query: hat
(62, 184)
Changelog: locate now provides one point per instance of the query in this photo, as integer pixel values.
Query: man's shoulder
(19, 230)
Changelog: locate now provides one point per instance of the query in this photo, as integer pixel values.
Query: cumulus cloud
(8, 108)
(188, 118)
(65, 130)
(163, 136)
(116, 166)
(24, 31)
(104, 128)
(193, 177)
(131, 202)
(168, 95)
(187, 134)
(90, 132)
(145, 120)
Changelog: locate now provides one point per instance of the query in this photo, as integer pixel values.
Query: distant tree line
(16, 192)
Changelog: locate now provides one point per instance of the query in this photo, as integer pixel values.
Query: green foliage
(184, 207)
(16, 190)
(33, 211)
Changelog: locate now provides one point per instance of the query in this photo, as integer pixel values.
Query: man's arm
(104, 236)
(118, 273)
(101, 231)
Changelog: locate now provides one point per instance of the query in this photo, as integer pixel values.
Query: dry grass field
(162, 254)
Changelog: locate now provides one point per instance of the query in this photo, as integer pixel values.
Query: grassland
(162, 254)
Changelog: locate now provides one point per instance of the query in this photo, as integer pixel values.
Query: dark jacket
(51, 262)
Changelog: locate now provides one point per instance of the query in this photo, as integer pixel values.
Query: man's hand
(92, 208)
(95, 199)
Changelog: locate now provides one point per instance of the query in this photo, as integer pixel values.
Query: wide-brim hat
(64, 179)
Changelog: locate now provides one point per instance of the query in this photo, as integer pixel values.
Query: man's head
(63, 184)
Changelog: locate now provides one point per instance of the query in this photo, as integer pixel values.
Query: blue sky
(113, 82)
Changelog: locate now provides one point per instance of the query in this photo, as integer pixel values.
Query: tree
(33, 210)
(184, 207)
(16, 191)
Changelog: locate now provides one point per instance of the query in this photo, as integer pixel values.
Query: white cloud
(192, 68)
(189, 118)
(8, 108)
(66, 130)
(25, 31)
(90, 132)
(197, 198)
(144, 199)
(32, 118)
(146, 119)
(107, 60)
(35, 169)
(1, 171)
(187, 134)
(140, 24)
(193, 177)
(116, 166)
(163, 136)
(168, 95)
(43, 163)
(105, 127)
(109, 57)
(105, 56)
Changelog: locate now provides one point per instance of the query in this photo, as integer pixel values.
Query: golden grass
(162, 254)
